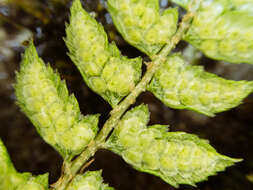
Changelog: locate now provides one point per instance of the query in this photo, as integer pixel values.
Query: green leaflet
(91, 180)
(44, 98)
(222, 29)
(142, 24)
(10, 179)
(176, 157)
(181, 86)
(103, 68)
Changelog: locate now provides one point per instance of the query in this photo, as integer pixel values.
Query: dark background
(231, 132)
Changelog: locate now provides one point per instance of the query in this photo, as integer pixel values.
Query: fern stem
(120, 109)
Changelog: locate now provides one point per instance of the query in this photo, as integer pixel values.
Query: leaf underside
(222, 30)
(176, 157)
(90, 180)
(182, 86)
(44, 98)
(101, 64)
(10, 179)
(143, 24)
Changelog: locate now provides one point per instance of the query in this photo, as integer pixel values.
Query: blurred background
(231, 132)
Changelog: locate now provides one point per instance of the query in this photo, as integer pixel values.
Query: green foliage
(91, 180)
(10, 179)
(143, 24)
(182, 86)
(222, 29)
(103, 68)
(243, 5)
(44, 98)
(176, 157)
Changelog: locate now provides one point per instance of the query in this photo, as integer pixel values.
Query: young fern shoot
(176, 157)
